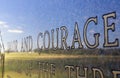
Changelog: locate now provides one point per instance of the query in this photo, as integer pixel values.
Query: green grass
(17, 64)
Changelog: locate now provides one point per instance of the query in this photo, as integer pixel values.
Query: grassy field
(25, 56)
(25, 65)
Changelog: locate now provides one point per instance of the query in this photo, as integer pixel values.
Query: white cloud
(15, 31)
(3, 24)
(92, 31)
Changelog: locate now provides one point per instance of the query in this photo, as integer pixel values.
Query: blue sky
(20, 18)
